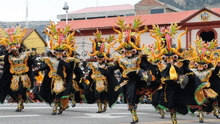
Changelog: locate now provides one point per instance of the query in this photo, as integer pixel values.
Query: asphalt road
(40, 113)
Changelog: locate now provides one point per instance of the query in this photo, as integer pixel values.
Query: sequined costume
(57, 82)
(136, 71)
(17, 75)
(180, 84)
(101, 80)
(208, 72)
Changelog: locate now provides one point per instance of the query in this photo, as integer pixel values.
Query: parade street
(40, 113)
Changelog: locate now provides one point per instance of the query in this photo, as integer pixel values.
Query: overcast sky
(44, 10)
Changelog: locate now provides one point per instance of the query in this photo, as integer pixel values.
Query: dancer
(136, 73)
(56, 85)
(208, 72)
(17, 75)
(101, 80)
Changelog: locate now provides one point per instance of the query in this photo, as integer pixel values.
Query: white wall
(197, 19)
(194, 36)
(218, 36)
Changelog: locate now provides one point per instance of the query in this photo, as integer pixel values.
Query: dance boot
(105, 105)
(134, 115)
(201, 116)
(73, 100)
(173, 116)
(55, 106)
(215, 110)
(99, 104)
(20, 104)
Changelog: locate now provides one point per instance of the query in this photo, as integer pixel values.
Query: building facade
(203, 23)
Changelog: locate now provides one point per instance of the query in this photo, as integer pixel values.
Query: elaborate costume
(17, 73)
(56, 84)
(101, 80)
(180, 84)
(137, 74)
(155, 93)
(202, 66)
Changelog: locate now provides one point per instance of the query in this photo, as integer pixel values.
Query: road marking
(99, 115)
(48, 107)
(15, 116)
(179, 121)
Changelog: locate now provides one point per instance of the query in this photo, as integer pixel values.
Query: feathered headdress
(64, 38)
(99, 44)
(204, 51)
(165, 35)
(126, 31)
(12, 36)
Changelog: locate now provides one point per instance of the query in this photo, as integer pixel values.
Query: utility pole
(26, 18)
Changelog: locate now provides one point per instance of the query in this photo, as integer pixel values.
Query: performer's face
(200, 66)
(15, 52)
(129, 53)
(100, 59)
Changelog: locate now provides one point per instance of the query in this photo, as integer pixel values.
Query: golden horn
(96, 52)
(107, 57)
(118, 47)
(179, 40)
(139, 33)
(179, 54)
(134, 46)
(119, 34)
(68, 41)
(94, 44)
(207, 60)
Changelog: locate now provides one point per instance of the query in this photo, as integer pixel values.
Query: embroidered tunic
(18, 70)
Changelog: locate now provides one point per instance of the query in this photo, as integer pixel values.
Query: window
(155, 11)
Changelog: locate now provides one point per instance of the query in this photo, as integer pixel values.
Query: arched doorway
(207, 35)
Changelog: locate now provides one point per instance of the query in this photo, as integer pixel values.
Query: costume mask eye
(205, 66)
(196, 64)
(134, 51)
(103, 59)
(64, 53)
(163, 58)
(175, 57)
(123, 51)
(96, 57)
(54, 52)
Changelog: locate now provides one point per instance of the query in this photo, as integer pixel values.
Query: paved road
(40, 113)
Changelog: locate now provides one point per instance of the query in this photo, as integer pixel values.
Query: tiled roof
(165, 18)
(28, 32)
(104, 8)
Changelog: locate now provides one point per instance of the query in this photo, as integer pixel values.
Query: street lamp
(83, 45)
(66, 7)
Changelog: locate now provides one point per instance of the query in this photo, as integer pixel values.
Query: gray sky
(44, 10)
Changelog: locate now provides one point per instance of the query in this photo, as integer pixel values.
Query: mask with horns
(164, 35)
(12, 37)
(98, 49)
(202, 55)
(64, 40)
(131, 44)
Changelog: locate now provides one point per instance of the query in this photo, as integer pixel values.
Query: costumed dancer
(101, 80)
(136, 74)
(55, 84)
(155, 93)
(203, 66)
(17, 75)
(175, 73)
(77, 86)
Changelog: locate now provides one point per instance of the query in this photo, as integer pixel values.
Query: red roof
(104, 8)
(28, 32)
(164, 18)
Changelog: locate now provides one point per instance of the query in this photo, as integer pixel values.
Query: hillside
(193, 4)
(38, 25)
